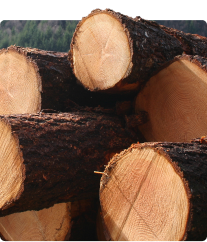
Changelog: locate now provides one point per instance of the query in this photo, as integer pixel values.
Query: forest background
(56, 35)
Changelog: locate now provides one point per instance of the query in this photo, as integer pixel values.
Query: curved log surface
(173, 99)
(55, 157)
(111, 51)
(156, 191)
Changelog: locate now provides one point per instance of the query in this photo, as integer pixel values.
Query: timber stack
(107, 141)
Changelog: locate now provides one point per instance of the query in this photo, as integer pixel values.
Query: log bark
(51, 158)
(113, 52)
(173, 99)
(192, 44)
(47, 82)
(156, 191)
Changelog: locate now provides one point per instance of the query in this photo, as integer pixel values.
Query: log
(44, 74)
(113, 52)
(51, 158)
(20, 84)
(156, 191)
(48, 224)
(34, 79)
(174, 100)
(192, 44)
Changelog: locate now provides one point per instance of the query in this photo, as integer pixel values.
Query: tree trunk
(48, 224)
(174, 100)
(156, 191)
(115, 52)
(51, 158)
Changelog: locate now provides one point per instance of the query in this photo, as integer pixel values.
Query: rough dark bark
(189, 161)
(61, 152)
(150, 47)
(192, 44)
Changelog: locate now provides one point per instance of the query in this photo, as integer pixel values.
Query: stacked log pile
(108, 140)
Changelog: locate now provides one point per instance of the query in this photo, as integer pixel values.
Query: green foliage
(3, 23)
(188, 26)
(47, 35)
(191, 27)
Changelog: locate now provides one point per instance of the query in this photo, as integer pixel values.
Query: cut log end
(51, 224)
(101, 52)
(174, 99)
(19, 83)
(143, 197)
(12, 168)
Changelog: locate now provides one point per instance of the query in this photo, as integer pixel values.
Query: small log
(111, 51)
(48, 224)
(51, 158)
(174, 100)
(156, 191)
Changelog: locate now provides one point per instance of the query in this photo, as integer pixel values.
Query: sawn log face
(61, 153)
(150, 47)
(191, 158)
(189, 161)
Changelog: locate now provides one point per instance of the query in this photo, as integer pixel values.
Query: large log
(51, 158)
(32, 79)
(112, 51)
(156, 191)
(174, 100)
